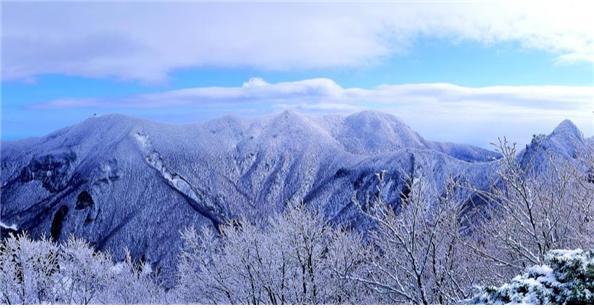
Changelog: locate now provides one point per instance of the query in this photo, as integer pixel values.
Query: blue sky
(508, 70)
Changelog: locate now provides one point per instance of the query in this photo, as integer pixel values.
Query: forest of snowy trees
(423, 252)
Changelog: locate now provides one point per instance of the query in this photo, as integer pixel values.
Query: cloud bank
(146, 41)
(440, 111)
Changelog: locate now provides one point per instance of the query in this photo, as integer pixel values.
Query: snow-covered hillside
(122, 182)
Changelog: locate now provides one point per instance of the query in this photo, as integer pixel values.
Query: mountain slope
(372, 132)
(125, 182)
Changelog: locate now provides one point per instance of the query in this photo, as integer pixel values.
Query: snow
(7, 226)
(144, 175)
(142, 139)
(567, 128)
(539, 270)
(556, 282)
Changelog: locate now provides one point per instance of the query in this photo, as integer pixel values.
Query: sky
(460, 71)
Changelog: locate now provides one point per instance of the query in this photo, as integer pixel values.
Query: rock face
(124, 182)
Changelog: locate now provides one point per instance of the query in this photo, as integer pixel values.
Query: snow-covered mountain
(125, 182)
(565, 143)
(359, 134)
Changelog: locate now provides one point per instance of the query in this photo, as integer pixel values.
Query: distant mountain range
(122, 182)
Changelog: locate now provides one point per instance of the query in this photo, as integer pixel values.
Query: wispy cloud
(322, 92)
(146, 41)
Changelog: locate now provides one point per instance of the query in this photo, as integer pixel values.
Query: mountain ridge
(119, 181)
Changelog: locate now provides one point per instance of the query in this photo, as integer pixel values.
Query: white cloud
(439, 111)
(312, 92)
(255, 90)
(146, 41)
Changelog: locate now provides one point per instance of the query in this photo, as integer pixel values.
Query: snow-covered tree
(132, 284)
(83, 272)
(422, 251)
(293, 259)
(46, 272)
(540, 203)
(419, 256)
(567, 277)
(28, 271)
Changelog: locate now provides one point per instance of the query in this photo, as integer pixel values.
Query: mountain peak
(374, 114)
(291, 121)
(289, 113)
(567, 129)
(113, 117)
(376, 132)
(566, 140)
(375, 118)
(377, 121)
(288, 117)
